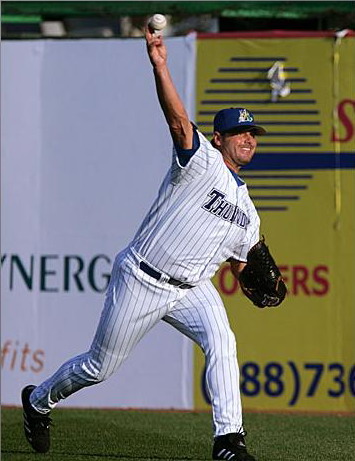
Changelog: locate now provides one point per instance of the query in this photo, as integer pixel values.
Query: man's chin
(244, 162)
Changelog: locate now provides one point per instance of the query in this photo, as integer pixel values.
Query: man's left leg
(201, 316)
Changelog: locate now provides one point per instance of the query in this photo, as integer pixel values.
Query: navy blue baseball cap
(236, 119)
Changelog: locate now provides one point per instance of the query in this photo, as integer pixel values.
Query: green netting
(288, 9)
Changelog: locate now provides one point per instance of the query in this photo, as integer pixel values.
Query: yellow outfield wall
(300, 355)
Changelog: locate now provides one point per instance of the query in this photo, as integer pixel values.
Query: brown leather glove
(261, 280)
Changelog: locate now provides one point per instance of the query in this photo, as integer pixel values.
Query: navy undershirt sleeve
(184, 155)
(239, 181)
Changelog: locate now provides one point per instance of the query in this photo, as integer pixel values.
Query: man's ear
(216, 140)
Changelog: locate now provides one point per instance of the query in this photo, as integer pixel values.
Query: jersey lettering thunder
(202, 216)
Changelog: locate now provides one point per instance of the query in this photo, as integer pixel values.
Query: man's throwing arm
(170, 102)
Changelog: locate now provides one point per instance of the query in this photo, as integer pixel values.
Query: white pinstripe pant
(134, 303)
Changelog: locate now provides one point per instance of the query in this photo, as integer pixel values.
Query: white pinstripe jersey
(202, 216)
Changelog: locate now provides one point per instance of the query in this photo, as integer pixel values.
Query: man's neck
(231, 166)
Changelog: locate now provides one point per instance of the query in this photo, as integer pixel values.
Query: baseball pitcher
(202, 217)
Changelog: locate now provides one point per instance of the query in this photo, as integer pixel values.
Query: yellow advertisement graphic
(301, 355)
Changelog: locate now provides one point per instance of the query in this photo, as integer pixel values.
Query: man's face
(236, 148)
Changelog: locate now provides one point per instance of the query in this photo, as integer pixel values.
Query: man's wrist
(160, 68)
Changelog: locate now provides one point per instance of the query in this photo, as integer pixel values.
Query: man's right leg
(133, 305)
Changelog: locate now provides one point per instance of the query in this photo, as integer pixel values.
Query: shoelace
(238, 439)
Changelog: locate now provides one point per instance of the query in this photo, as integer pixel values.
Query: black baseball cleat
(36, 424)
(231, 447)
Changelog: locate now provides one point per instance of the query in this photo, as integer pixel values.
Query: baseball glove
(261, 280)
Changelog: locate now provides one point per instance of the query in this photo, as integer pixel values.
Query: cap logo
(244, 116)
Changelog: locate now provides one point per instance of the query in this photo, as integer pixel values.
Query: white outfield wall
(84, 149)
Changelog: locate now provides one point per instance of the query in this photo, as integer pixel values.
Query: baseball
(157, 22)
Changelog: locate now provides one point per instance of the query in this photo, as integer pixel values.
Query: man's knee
(91, 370)
(228, 342)
(222, 343)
